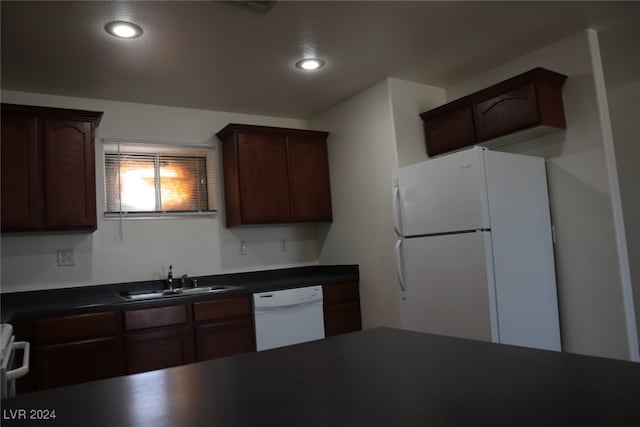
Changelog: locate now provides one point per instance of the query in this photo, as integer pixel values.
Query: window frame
(121, 147)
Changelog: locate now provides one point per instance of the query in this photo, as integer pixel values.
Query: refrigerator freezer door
(449, 286)
(441, 195)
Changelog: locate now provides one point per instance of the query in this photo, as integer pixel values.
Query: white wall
(362, 153)
(624, 108)
(194, 246)
(408, 100)
(593, 311)
(368, 133)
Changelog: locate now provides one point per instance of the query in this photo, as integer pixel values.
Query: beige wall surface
(146, 248)
(369, 132)
(408, 100)
(624, 108)
(362, 153)
(590, 294)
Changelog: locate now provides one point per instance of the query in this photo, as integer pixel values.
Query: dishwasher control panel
(288, 297)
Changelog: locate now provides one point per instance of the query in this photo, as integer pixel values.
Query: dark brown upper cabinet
(525, 106)
(48, 169)
(275, 175)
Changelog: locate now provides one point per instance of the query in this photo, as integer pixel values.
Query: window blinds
(158, 180)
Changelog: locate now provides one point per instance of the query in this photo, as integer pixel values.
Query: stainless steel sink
(168, 293)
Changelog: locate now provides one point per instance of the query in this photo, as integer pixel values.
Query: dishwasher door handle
(282, 307)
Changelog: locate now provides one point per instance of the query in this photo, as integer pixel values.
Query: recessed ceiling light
(310, 64)
(123, 30)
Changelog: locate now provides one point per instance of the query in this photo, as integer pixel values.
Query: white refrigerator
(475, 249)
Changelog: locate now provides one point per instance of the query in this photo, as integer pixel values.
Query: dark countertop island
(376, 377)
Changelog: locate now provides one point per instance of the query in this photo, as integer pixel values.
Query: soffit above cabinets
(218, 56)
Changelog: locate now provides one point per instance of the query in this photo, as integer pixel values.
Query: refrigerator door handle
(397, 201)
(400, 268)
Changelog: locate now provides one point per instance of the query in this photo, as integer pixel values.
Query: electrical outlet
(65, 257)
(283, 245)
(243, 248)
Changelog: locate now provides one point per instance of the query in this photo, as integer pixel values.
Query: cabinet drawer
(75, 328)
(156, 317)
(508, 112)
(340, 292)
(221, 308)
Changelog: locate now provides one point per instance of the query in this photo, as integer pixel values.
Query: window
(156, 180)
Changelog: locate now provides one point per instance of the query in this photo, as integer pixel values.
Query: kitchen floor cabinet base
(78, 348)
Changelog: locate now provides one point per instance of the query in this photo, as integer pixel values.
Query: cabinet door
(21, 177)
(78, 362)
(159, 348)
(508, 112)
(341, 308)
(448, 131)
(309, 179)
(225, 338)
(69, 174)
(342, 318)
(263, 178)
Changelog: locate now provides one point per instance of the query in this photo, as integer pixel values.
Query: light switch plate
(65, 257)
(243, 248)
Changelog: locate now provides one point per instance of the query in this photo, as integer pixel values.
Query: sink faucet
(183, 280)
(170, 278)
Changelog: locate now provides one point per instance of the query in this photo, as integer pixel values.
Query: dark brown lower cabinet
(225, 338)
(158, 337)
(77, 362)
(224, 327)
(159, 349)
(341, 308)
(71, 349)
(92, 346)
(342, 318)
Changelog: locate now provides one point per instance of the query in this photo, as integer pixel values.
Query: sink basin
(168, 293)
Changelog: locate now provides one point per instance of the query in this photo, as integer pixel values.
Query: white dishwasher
(288, 317)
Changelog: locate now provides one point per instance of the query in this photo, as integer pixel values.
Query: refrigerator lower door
(449, 286)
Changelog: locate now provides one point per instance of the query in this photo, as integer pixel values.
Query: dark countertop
(18, 305)
(376, 377)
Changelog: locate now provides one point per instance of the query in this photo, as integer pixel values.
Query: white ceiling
(217, 56)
